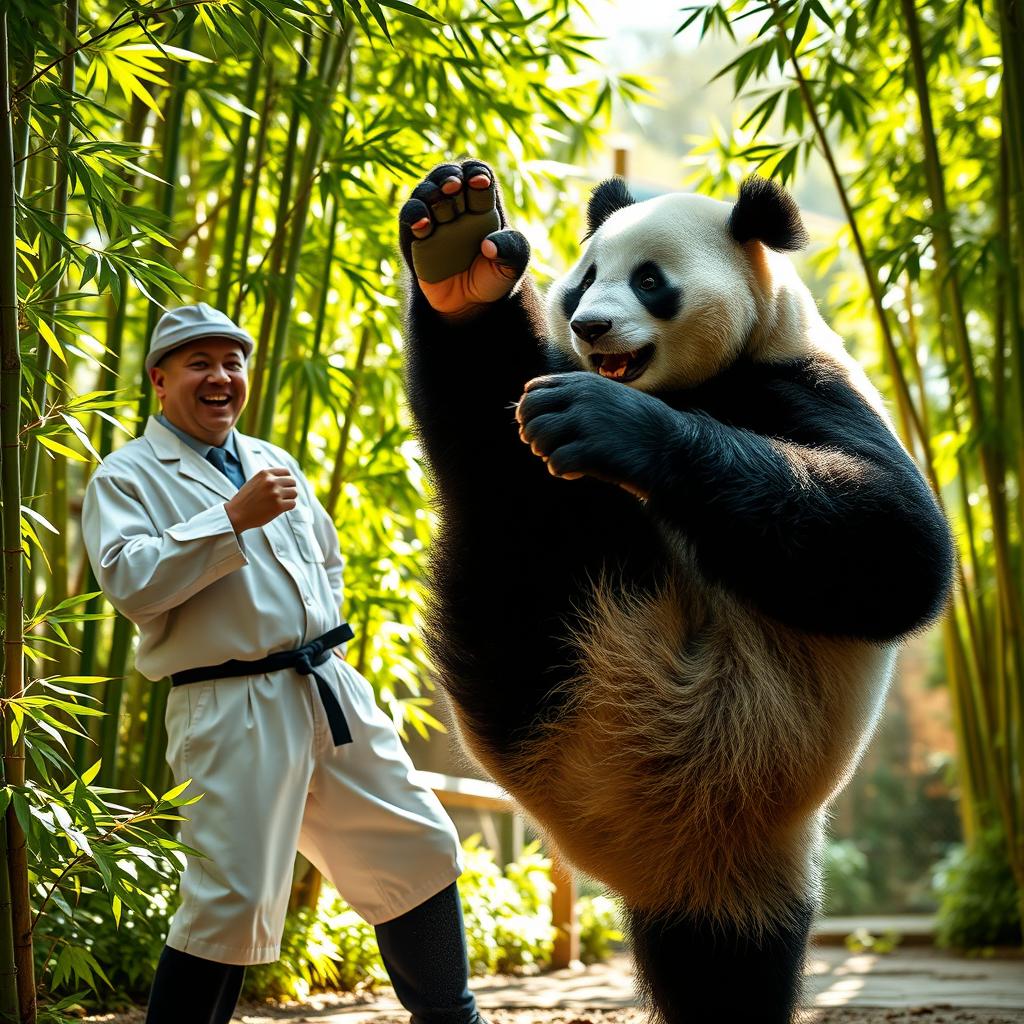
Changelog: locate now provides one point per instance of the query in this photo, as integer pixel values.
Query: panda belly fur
(679, 722)
(673, 704)
(699, 732)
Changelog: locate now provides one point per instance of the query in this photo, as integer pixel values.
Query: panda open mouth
(622, 366)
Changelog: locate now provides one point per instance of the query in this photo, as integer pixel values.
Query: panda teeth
(622, 366)
(614, 366)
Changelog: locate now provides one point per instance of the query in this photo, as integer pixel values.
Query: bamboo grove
(917, 112)
(248, 155)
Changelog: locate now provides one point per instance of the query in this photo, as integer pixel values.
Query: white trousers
(259, 749)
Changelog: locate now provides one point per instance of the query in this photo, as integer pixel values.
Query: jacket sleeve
(143, 571)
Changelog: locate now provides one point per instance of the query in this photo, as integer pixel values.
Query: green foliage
(331, 947)
(844, 881)
(600, 928)
(127, 951)
(979, 896)
(863, 941)
(507, 914)
(93, 852)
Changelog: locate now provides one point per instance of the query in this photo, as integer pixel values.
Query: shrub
(508, 914)
(600, 928)
(978, 895)
(508, 928)
(845, 883)
(333, 948)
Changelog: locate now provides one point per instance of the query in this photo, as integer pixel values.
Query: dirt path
(908, 986)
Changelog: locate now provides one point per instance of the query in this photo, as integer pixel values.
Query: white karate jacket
(165, 554)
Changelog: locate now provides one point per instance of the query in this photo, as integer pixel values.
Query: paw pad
(448, 215)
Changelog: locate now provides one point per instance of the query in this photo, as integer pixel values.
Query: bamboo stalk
(60, 217)
(302, 441)
(337, 48)
(172, 149)
(109, 377)
(8, 972)
(254, 190)
(948, 284)
(21, 120)
(948, 280)
(113, 697)
(338, 470)
(17, 971)
(252, 414)
(155, 741)
(903, 397)
(227, 263)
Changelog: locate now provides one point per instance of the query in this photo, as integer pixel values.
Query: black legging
(188, 988)
(424, 952)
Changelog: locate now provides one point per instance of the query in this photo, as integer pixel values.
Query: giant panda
(678, 547)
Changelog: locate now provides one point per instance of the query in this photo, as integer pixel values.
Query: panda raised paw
(582, 424)
(454, 239)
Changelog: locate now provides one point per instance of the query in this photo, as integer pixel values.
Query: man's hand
(261, 498)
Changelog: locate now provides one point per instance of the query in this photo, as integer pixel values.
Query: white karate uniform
(258, 747)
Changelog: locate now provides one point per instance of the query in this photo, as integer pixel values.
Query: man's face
(202, 387)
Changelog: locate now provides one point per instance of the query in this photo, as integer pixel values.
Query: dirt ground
(820, 1015)
(907, 986)
(831, 1015)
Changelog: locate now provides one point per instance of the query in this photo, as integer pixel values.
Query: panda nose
(590, 330)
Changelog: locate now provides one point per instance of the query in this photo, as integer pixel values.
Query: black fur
(767, 212)
(650, 286)
(791, 490)
(795, 494)
(571, 296)
(611, 195)
(696, 972)
(849, 543)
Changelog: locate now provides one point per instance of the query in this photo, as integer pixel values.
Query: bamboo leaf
(60, 449)
(51, 340)
(41, 520)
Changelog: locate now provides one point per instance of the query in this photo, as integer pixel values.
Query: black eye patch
(652, 288)
(571, 297)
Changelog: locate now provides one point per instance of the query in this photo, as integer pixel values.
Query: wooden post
(620, 157)
(563, 907)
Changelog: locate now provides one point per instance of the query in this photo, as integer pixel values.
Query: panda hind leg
(693, 972)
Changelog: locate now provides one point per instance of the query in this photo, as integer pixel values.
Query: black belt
(303, 659)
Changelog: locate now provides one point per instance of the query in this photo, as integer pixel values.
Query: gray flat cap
(179, 326)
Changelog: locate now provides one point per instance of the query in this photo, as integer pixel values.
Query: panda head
(668, 292)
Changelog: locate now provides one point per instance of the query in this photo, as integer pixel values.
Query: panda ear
(611, 195)
(767, 212)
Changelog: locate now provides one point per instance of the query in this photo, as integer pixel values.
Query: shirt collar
(200, 446)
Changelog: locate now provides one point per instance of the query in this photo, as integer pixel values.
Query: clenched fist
(261, 498)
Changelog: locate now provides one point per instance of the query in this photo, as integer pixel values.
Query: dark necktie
(219, 457)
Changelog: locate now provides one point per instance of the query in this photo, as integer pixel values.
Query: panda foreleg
(474, 324)
(692, 971)
(830, 529)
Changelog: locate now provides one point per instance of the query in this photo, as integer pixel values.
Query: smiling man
(215, 546)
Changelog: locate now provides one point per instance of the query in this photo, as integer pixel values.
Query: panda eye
(648, 282)
(588, 279)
